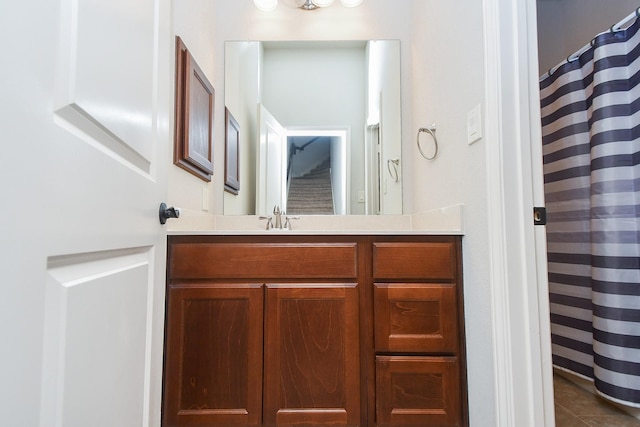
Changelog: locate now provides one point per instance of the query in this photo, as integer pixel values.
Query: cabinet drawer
(415, 317)
(417, 391)
(414, 260)
(263, 261)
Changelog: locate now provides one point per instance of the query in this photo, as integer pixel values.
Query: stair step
(311, 194)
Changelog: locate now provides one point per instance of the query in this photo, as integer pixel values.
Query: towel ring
(431, 130)
(393, 163)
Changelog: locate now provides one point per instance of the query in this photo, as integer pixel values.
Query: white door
(85, 130)
(272, 164)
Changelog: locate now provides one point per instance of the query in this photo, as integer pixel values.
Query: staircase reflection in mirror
(314, 175)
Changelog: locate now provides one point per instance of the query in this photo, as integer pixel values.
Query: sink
(438, 221)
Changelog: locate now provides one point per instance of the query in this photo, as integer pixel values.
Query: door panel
(272, 163)
(100, 87)
(87, 107)
(97, 333)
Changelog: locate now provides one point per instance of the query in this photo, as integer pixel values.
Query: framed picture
(232, 158)
(194, 106)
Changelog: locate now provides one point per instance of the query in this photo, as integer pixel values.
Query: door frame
(342, 137)
(517, 249)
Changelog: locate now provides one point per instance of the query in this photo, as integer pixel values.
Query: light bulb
(351, 3)
(266, 5)
(323, 3)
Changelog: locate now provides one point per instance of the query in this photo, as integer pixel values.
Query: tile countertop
(439, 221)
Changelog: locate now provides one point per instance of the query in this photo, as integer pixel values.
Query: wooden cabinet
(417, 324)
(262, 332)
(313, 330)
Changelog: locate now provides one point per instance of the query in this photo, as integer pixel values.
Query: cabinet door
(213, 366)
(312, 374)
(417, 391)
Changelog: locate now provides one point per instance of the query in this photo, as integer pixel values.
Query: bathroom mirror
(325, 114)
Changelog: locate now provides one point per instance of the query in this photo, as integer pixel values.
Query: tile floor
(576, 407)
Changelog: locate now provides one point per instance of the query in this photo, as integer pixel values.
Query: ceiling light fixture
(351, 3)
(266, 5)
(270, 5)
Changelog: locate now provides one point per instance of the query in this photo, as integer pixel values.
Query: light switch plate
(205, 199)
(474, 125)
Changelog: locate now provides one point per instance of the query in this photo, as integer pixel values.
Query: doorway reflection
(317, 172)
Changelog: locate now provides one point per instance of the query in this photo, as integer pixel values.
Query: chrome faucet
(278, 214)
(269, 223)
(287, 222)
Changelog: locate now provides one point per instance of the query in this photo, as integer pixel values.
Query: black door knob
(168, 212)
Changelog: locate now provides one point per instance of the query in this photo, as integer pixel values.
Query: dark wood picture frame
(194, 107)
(232, 157)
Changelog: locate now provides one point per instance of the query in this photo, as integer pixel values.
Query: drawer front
(263, 261)
(415, 317)
(414, 260)
(418, 391)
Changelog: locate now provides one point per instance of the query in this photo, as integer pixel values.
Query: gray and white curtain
(591, 147)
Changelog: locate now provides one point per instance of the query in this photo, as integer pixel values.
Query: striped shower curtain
(591, 147)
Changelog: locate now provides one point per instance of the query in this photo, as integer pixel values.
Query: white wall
(385, 106)
(192, 22)
(242, 86)
(448, 80)
(568, 25)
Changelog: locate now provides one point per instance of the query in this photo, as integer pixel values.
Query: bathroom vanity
(304, 329)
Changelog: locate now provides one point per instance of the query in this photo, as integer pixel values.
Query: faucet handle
(287, 222)
(269, 223)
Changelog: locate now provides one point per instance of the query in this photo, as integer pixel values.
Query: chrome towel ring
(431, 130)
(392, 167)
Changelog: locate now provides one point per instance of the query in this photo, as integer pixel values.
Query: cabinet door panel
(415, 317)
(417, 391)
(312, 374)
(213, 368)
